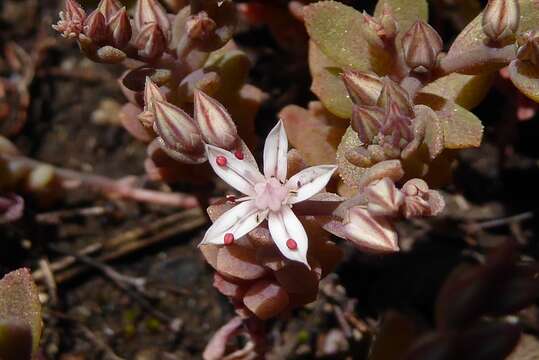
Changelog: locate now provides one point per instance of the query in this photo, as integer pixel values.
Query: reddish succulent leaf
(465, 90)
(129, 120)
(337, 30)
(266, 299)
(239, 262)
(327, 83)
(296, 278)
(228, 287)
(405, 11)
(525, 76)
(19, 302)
(314, 138)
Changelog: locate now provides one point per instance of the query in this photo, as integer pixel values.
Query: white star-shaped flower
(268, 196)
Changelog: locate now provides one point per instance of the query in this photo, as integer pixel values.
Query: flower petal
(239, 174)
(310, 181)
(283, 226)
(275, 150)
(237, 221)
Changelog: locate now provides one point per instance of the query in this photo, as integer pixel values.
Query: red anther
(292, 244)
(239, 154)
(229, 239)
(231, 198)
(221, 160)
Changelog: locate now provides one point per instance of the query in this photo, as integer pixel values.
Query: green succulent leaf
(406, 12)
(462, 129)
(20, 306)
(327, 83)
(525, 76)
(337, 31)
(233, 68)
(465, 90)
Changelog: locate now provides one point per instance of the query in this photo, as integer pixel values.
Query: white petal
(310, 181)
(238, 221)
(284, 225)
(239, 174)
(275, 150)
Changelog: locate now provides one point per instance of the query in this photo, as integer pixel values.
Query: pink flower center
(270, 194)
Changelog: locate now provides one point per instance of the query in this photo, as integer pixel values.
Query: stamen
(229, 239)
(231, 199)
(292, 244)
(221, 160)
(239, 154)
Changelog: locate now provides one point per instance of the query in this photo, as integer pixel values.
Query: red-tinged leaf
(405, 11)
(266, 299)
(337, 30)
(239, 262)
(525, 76)
(129, 120)
(315, 137)
(19, 303)
(465, 90)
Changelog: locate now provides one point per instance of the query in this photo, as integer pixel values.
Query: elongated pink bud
(109, 8)
(421, 45)
(177, 129)
(151, 94)
(378, 31)
(95, 27)
(367, 122)
(200, 26)
(384, 199)
(151, 42)
(71, 22)
(394, 93)
(364, 88)
(120, 26)
(500, 19)
(215, 123)
(369, 233)
(151, 12)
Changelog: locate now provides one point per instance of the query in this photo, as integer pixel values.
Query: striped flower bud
(500, 19)
(421, 45)
(528, 47)
(394, 93)
(150, 41)
(120, 27)
(109, 8)
(384, 199)
(370, 233)
(95, 27)
(151, 12)
(364, 88)
(178, 133)
(367, 121)
(151, 94)
(215, 123)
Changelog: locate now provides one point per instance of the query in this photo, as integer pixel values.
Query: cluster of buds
(183, 137)
(382, 30)
(528, 47)
(370, 225)
(103, 35)
(500, 20)
(388, 125)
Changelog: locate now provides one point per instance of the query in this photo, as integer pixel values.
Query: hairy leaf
(337, 30)
(19, 303)
(327, 83)
(525, 76)
(462, 129)
(405, 11)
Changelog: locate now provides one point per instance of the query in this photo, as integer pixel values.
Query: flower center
(270, 194)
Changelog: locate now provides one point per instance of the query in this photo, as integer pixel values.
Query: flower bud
(528, 47)
(421, 45)
(109, 55)
(95, 27)
(420, 201)
(384, 199)
(214, 122)
(200, 26)
(369, 233)
(71, 22)
(500, 19)
(367, 121)
(151, 94)
(151, 12)
(120, 26)
(364, 88)
(150, 41)
(381, 30)
(394, 93)
(398, 126)
(11, 208)
(177, 129)
(109, 8)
